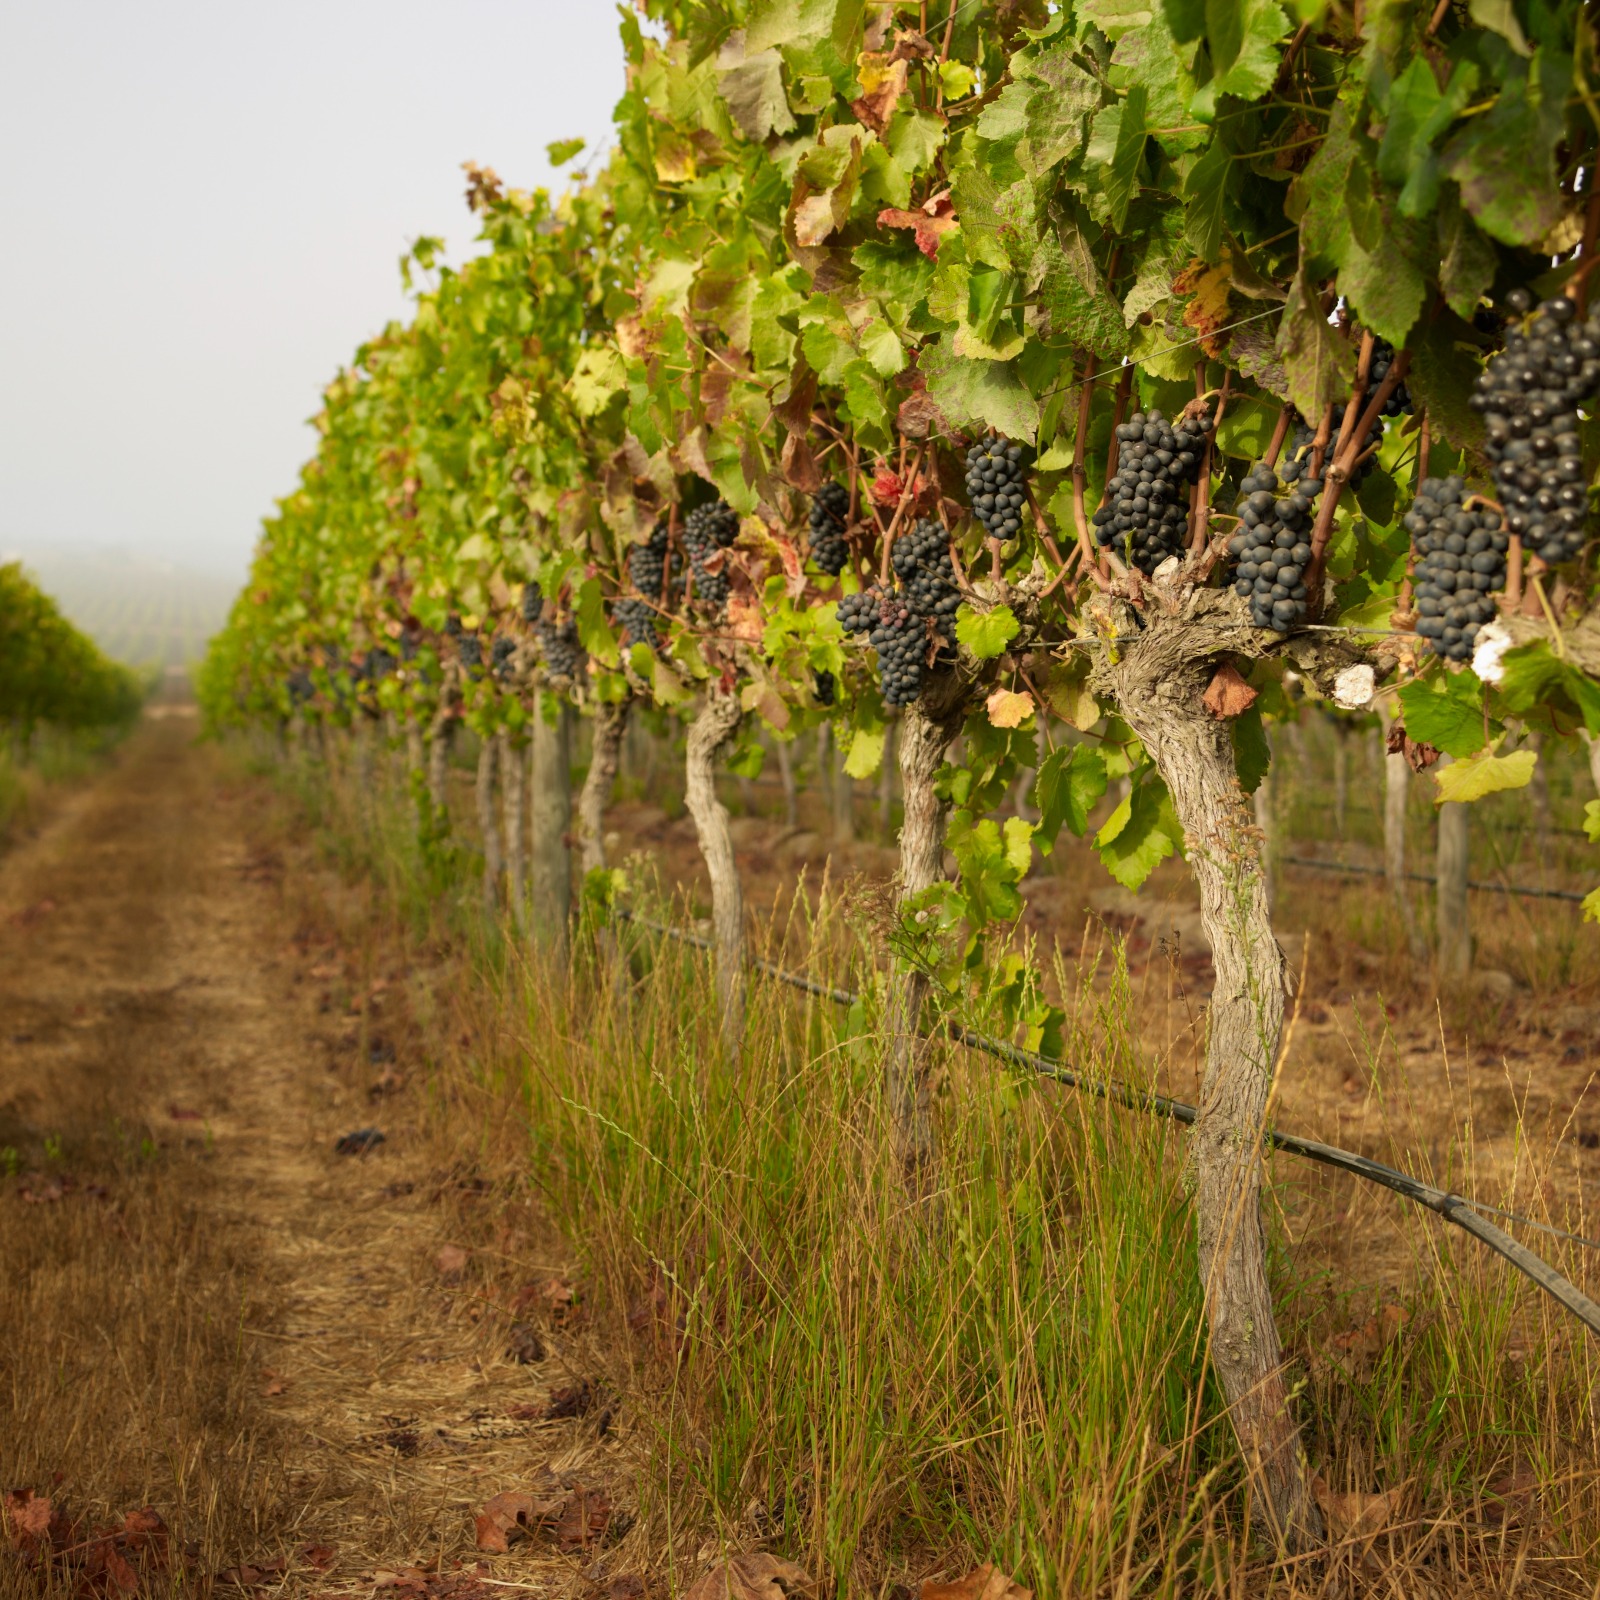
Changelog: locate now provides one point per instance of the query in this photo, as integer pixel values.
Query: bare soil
(315, 1367)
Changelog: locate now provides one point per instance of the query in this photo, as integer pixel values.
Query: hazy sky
(203, 207)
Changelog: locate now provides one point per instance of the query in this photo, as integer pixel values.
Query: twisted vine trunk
(714, 725)
(550, 865)
(1454, 924)
(610, 726)
(514, 823)
(488, 832)
(1159, 680)
(1396, 795)
(926, 729)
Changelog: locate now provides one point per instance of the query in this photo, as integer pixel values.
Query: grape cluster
(1529, 396)
(830, 513)
(901, 623)
(706, 530)
(1399, 402)
(301, 688)
(563, 655)
(500, 654)
(410, 643)
(532, 603)
(637, 620)
(1461, 559)
(1145, 513)
(897, 633)
(1297, 463)
(997, 485)
(825, 687)
(452, 626)
(470, 650)
(921, 561)
(1272, 548)
(647, 563)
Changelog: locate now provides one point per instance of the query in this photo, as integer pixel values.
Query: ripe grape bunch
(532, 603)
(647, 570)
(1529, 395)
(1297, 463)
(825, 688)
(1272, 548)
(997, 485)
(301, 688)
(471, 652)
(1145, 512)
(1461, 558)
(830, 514)
(500, 654)
(706, 530)
(563, 655)
(898, 622)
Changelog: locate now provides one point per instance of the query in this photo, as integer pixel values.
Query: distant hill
(138, 610)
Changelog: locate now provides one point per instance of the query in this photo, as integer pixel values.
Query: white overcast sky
(203, 206)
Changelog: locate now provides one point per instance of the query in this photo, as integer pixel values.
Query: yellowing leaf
(1465, 781)
(958, 79)
(1008, 709)
(866, 752)
(675, 161)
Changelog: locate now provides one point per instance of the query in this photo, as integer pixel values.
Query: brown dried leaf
(518, 1513)
(583, 1521)
(757, 1576)
(1356, 1515)
(572, 1400)
(987, 1582)
(919, 415)
(319, 1557)
(28, 1519)
(1228, 694)
(1372, 1337)
(928, 229)
(451, 1263)
(799, 464)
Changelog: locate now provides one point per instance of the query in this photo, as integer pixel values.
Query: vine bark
(609, 727)
(713, 727)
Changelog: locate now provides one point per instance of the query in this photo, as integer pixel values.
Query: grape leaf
(1205, 194)
(1484, 773)
(1140, 834)
(1252, 755)
(1116, 143)
(1069, 785)
(866, 752)
(594, 631)
(1442, 720)
(1318, 366)
(986, 393)
(986, 633)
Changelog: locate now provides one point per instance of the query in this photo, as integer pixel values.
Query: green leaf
(1468, 262)
(1116, 142)
(752, 86)
(1069, 785)
(776, 22)
(866, 752)
(599, 377)
(561, 151)
(1061, 95)
(1074, 297)
(915, 138)
(1137, 836)
(1018, 834)
(594, 631)
(1504, 159)
(1591, 906)
(1442, 720)
(1205, 194)
(1252, 755)
(1591, 821)
(958, 79)
(1533, 678)
(1499, 17)
(1243, 38)
(986, 633)
(1485, 773)
(1318, 366)
(988, 394)
(1246, 429)
(1444, 367)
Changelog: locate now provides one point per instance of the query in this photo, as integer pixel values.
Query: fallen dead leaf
(1228, 695)
(524, 1345)
(584, 1519)
(451, 1263)
(319, 1557)
(41, 1189)
(1356, 1515)
(987, 1582)
(184, 1114)
(571, 1400)
(519, 1514)
(628, 1586)
(1357, 1348)
(757, 1576)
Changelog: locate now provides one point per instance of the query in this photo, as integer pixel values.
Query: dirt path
(209, 1311)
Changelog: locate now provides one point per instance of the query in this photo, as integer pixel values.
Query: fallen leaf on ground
(451, 1263)
(317, 1556)
(251, 1574)
(39, 1190)
(30, 1520)
(583, 1521)
(524, 1345)
(987, 1582)
(358, 1142)
(519, 1514)
(630, 1586)
(571, 1400)
(1356, 1515)
(1359, 1347)
(276, 1383)
(184, 1114)
(757, 1576)
(1509, 1497)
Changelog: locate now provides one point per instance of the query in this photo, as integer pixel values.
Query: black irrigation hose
(1423, 877)
(1452, 1208)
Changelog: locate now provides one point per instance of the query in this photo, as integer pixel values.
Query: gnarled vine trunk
(1396, 794)
(1454, 924)
(550, 865)
(488, 831)
(926, 729)
(1159, 677)
(610, 725)
(514, 815)
(714, 725)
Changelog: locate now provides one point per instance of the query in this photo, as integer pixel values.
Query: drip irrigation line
(1423, 877)
(1453, 1208)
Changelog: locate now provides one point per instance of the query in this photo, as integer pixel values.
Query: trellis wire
(1356, 870)
(1453, 1208)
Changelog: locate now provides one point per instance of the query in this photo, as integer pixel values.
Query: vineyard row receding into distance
(1072, 404)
